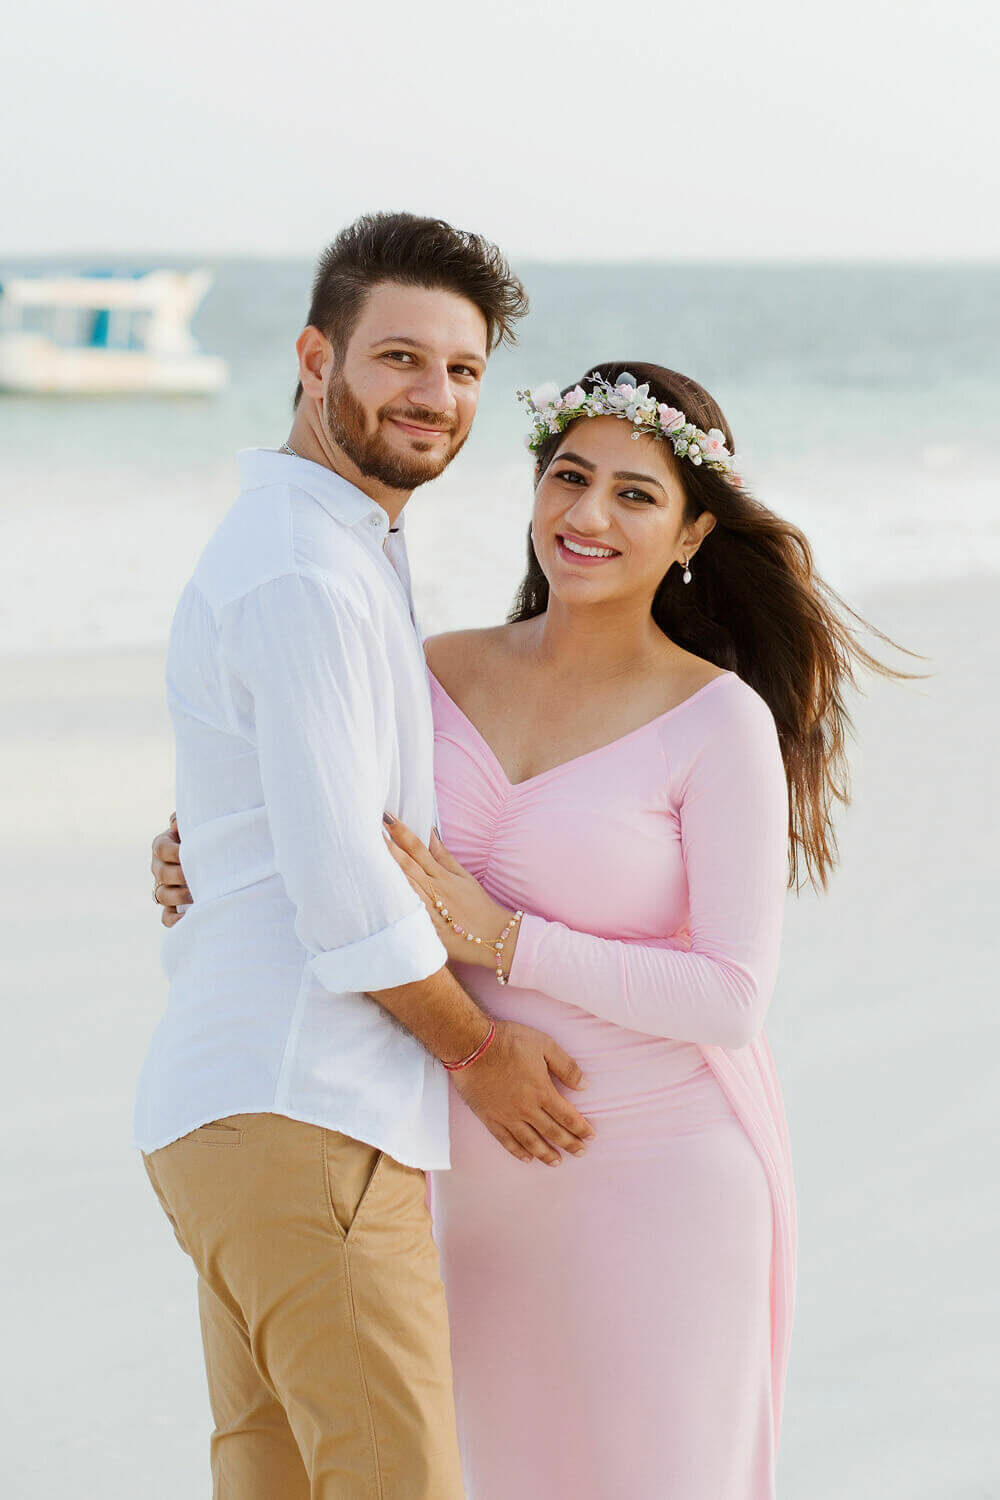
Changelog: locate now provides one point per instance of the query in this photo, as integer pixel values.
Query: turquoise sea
(865, 402)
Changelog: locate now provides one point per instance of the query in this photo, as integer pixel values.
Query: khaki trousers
(322, 1312)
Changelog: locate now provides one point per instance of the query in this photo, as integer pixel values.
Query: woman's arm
(733, 806)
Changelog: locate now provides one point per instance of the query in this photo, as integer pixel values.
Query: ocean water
(865, 402)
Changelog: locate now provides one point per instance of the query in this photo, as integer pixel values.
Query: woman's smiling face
(609, 515)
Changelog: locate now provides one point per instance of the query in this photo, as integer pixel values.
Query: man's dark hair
(416, 252)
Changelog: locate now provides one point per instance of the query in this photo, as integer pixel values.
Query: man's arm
(315, 672)
(438, 1012)
(319, 681)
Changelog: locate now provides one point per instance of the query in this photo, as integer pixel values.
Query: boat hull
(39, 366)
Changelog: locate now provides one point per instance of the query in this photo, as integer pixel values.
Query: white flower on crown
(546, 395)
(640, 406)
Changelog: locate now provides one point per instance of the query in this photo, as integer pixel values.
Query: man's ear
(315, 355)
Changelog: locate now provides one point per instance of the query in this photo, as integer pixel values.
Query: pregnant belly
(641, 1090)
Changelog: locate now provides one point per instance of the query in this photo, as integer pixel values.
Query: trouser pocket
(350, 1169)
(217, 1133)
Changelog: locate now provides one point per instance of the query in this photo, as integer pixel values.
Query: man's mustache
(423, 417)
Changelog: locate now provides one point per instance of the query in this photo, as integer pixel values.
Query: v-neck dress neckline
(586, 755)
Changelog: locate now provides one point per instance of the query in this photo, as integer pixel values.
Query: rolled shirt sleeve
(320, 687)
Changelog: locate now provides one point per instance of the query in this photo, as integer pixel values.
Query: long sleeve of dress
(729, 794)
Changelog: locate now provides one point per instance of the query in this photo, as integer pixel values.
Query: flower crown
(552, 412)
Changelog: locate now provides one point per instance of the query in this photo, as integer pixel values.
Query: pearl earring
(687, 572)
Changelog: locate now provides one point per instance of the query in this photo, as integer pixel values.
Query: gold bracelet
(495, 943)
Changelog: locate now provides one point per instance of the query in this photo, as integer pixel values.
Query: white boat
(102, 334)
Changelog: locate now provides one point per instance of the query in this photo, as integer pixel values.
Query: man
(293, 1095)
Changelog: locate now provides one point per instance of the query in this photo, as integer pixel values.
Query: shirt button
(374, 521)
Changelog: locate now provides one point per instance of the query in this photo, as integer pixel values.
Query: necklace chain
(287, 448)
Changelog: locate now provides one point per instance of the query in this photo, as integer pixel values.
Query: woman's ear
(696, 533)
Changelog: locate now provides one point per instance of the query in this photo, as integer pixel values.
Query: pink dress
(620, 1324)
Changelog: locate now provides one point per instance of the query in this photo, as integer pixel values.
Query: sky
(590, 130)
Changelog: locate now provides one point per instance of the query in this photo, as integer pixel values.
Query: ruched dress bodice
(594, 845)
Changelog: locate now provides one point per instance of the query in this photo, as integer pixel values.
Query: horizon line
(782, 262)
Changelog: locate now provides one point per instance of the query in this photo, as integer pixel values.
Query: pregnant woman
(629, 773)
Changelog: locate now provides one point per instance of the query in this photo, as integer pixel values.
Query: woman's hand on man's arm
(437, 876)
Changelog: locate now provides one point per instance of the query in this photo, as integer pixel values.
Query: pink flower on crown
(576, 397)
(670, 418)
(713, 445)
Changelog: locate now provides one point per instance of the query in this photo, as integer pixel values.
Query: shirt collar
(338, 497)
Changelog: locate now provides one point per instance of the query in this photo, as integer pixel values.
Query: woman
(637, 762)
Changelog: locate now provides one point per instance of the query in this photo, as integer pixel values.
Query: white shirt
(298, 693)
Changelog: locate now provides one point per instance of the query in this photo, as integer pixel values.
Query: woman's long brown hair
(756, 606)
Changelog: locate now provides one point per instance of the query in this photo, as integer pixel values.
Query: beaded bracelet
(498, 945)
(495, 944)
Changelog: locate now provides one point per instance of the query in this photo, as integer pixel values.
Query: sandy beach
(883, 1027)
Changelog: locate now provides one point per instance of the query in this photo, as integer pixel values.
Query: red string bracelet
(454, 1067)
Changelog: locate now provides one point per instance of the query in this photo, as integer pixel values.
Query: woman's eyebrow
(644, 478)
(574, 458)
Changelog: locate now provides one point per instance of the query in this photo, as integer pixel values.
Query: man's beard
(345, 421)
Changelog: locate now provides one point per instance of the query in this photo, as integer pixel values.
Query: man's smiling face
(401, 403)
